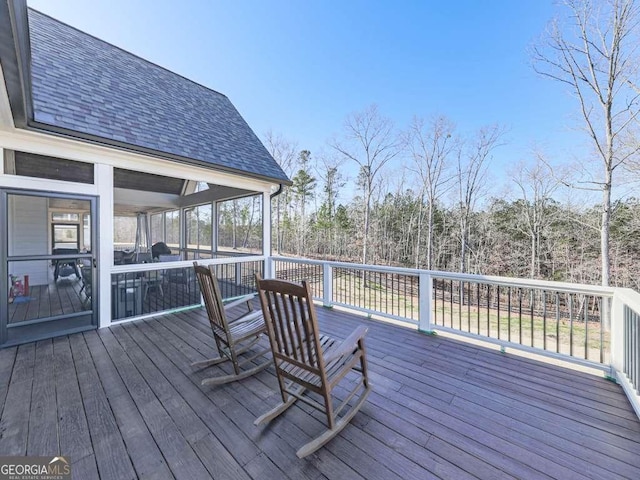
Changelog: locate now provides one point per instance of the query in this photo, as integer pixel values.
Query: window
(66, 236)
(86, 232)
(201, 186)
(65, 217)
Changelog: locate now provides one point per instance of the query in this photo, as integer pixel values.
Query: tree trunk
(418, 235)
(430, 237)
(604, 230)
(367, 211)
(533, 255)
(463, 244)
(234, 225)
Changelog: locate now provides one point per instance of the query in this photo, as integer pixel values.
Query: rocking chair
(308, 361)
(233, 338)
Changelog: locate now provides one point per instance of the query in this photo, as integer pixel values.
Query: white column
(214, 227)
(182, 216)
(104, 182)
(266, 232)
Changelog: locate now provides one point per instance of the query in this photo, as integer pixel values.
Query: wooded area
(533, 236)
(428, 196)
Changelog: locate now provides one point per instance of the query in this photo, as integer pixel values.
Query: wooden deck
(124, 403)
(56, 298)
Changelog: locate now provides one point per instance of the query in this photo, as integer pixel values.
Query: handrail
(151, 266)
(467, 277)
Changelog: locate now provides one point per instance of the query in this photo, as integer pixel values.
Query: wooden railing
(625, 343)
(590, 325)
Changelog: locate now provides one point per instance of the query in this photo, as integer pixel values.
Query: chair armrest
(347, 346)
(239, 301)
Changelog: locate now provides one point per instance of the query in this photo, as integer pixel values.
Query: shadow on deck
(124, 403)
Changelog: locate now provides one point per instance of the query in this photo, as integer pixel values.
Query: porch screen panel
(157, 232)
(41, 166)
(172, 229)
(199, 226)
(240, 225)
(124, 233)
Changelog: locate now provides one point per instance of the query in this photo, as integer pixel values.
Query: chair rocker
(308, 362)
(233, 338)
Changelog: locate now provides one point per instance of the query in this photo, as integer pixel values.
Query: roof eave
(105, 142)
(15, 53)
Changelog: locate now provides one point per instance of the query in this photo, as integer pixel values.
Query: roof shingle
(83, 84)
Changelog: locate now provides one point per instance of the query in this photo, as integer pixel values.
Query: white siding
(28, 235)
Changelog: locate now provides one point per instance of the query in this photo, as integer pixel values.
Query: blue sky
(300, 67)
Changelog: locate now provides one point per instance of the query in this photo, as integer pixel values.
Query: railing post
(268, 267)
(238, 273)
(327, 285)
(425, 288)
(617, 335)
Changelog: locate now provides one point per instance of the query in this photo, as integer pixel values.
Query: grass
(578, 338)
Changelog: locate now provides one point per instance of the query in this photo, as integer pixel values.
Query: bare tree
(471, 170)
(368, 140)
(596, 57)
(284, 152)
(430, 145)
(537, 185)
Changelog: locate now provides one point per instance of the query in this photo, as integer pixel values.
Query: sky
(299, 67)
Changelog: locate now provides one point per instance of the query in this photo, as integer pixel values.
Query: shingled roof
(88, 88)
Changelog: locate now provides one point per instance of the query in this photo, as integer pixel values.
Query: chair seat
(246, 326)
(335, 369)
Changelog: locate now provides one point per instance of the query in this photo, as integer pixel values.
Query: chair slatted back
(212, 299)
(291, 323)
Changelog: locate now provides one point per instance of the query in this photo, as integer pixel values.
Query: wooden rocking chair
(307, 361)
(233, 338)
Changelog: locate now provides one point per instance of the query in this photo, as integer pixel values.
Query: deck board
(14, 424)
(7, 362)
(124, 402)
(73, 430)
(56, 298)
(43, 422)
(147, 459)
(107, 441)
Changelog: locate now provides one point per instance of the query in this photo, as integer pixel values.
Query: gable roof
(87, 88)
